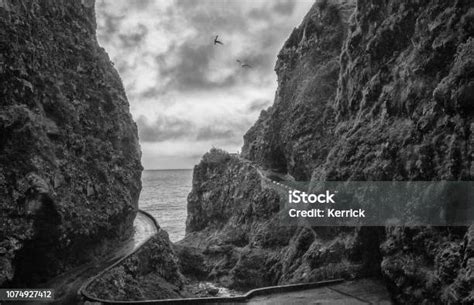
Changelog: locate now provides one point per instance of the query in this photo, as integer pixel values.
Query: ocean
(164, 194)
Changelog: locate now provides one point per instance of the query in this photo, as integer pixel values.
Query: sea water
(164, 194)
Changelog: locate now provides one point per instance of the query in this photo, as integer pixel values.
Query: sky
(186, 94)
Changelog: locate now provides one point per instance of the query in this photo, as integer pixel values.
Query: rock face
(69, 155)
(234, 232)
(386, 94)
(215, 202)
(296, 133)
(405, 82)
(405, 112)
(150, 273)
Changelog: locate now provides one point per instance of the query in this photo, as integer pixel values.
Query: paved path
(66, 285)
(365, 291)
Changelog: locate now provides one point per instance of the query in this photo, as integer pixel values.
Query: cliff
(69, 154)
(297, 132)
(405, 112)
(234, 232)
(373, 90)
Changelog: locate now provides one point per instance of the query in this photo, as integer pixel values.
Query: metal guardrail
(82, 291)
(225, 300)
(155, 222)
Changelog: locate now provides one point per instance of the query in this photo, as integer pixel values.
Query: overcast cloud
(186, 94)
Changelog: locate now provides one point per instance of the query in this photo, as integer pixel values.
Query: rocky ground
(153, 272)
(150, 273)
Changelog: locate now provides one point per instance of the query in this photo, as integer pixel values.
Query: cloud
(186, 93)
(110, 26)
(258, 105)
(285, 7)
(134, 39)
(167, 128)
(174, 38)
(213, 15)
(162, 129)
(211, 133)
(191, 67)
(224, 131)
(141, 4)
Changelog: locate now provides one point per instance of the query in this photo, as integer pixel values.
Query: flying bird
(216, 41)
(243, 65)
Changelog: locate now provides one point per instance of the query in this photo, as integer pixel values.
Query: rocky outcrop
(404, 112)
(383, 95)
(214, 202)
(429, 266)
(405, 82)
(149, 274)
(234, 232)
(69, 155)
(296, 133)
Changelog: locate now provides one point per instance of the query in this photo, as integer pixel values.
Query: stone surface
(235, 236)
(150, 273)
(296, 133)
(69, 155)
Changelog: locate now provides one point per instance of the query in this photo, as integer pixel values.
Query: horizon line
(167, 169)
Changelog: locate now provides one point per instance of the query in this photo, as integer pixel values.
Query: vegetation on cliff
(296, 133)
(234, 231)
(68, 145)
